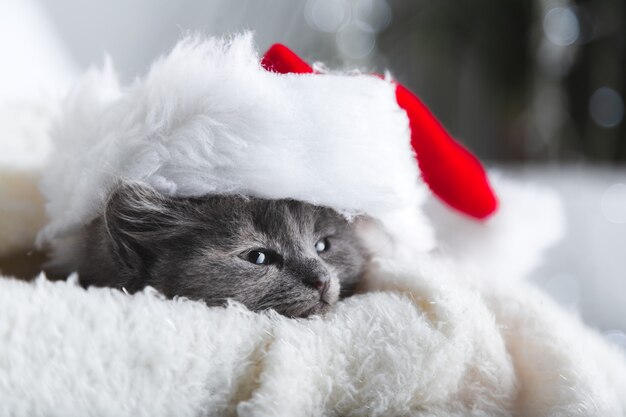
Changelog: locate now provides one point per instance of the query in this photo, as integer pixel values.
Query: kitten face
(293, 257)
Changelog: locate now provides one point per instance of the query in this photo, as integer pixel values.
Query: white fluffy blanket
(420, 347)
(424, 340)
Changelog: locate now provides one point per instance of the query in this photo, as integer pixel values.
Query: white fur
(424, 341)
(509, 245)
(209, 119)
(418, 344)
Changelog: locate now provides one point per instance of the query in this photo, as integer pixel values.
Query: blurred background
(535, 88)
(516, 80)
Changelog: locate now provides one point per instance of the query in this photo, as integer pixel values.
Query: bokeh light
(355, 23)
(372, 15)
(606, 107)
(613, 203)
(354, 42)
(561, 26)
(327, 15)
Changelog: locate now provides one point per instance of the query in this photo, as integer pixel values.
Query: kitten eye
(322, 245)
(258, 257)
(263, 257)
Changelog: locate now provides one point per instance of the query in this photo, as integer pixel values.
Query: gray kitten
(293, 257)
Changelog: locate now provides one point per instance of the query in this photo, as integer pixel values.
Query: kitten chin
(318, 309)
(295, 258)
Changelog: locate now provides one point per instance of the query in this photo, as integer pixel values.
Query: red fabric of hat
(452, 173)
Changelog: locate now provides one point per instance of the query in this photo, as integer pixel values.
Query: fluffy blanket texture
(449, 331)
(426, 338)
(427, 348)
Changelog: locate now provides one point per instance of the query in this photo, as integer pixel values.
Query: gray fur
(198, 248)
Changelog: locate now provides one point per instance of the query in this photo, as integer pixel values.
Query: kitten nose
(322, 286)
(320, 283)
(312, 273)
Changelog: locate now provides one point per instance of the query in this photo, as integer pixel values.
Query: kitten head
(293, 257)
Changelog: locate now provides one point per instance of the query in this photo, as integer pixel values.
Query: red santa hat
(452, 172)
(213, 117)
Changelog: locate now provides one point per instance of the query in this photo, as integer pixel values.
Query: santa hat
(212, 117)
(451, 171)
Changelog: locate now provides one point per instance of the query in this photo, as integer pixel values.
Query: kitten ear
(135, 217)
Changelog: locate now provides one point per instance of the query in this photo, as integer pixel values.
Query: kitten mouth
(321, 307)
(327, 298)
